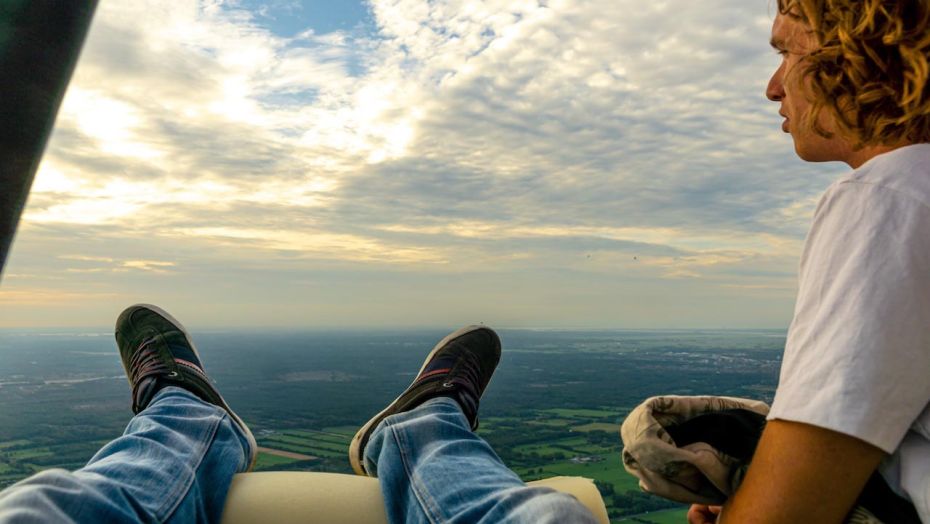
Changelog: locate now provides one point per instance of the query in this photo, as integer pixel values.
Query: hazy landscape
(553, 408)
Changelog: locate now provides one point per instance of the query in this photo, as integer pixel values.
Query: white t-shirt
(857, 358)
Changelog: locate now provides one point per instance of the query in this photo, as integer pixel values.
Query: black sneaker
(156, 352)
(459, 367)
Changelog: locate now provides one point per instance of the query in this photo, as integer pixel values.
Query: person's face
(788, 86)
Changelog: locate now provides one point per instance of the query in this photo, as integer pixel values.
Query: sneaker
(459, 367)
(156, 352)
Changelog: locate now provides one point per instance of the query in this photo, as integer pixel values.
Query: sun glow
(115, 125)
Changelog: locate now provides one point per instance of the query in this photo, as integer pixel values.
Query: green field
(326, 453)
(568, 447)
(287, 439)
(583, 413)
(564, 433)
(31, 453)
(594, 449)
(284, 440)
(310, 442)
(307, 449)
(490, 424)
(598, 426)
(329, 446)
(285, 446)
(552, 422)
(543, 450)
(348, 431)
(571, 442)
(324, 436)
(608, 471)
(672, 516)
(268, 461)
(13, 443)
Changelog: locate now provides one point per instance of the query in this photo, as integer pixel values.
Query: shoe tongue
(469, 403)
(184, 352)
(144, 392)
(460, 387)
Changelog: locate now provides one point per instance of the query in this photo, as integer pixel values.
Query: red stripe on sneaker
(434, 372)
(188, 364)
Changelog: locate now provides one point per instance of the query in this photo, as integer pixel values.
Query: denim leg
(434, 469)
(174, 462)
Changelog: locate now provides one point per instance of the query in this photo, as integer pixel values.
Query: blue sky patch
(290, 17)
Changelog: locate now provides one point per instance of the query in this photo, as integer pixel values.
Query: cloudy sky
(335, 163)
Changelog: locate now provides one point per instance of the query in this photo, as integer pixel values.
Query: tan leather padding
(292, 497)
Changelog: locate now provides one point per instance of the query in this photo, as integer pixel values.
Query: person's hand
(702, 514)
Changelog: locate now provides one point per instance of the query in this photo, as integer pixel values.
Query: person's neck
(861, 156)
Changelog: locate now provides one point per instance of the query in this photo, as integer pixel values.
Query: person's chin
(811, 152)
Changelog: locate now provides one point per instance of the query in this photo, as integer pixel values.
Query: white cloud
(464, 135)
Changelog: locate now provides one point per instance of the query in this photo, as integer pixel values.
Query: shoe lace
(470, 372)
(146, 362)
(469, 380)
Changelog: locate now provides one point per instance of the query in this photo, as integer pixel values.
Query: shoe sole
(238, 421)
(355, 447)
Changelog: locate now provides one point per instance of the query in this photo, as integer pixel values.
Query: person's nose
(776, 88)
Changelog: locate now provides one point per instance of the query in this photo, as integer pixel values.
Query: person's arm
(802, 473)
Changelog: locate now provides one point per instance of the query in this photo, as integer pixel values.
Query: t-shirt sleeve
(857, 357)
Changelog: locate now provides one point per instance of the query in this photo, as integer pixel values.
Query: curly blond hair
(871, 67)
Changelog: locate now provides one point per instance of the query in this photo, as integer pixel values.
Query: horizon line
(297, 328)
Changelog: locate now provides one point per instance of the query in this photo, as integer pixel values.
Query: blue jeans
(434, 469)
(177, 458)
(174, 462)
